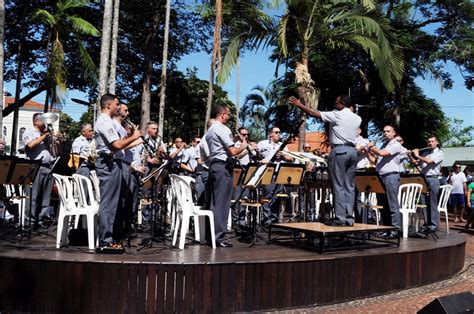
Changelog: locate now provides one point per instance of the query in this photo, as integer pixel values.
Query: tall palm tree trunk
(148, 71)
(2, 56)
(214, 58)
(113, 53)
(105, 48)
(163, 70)
(19, 71)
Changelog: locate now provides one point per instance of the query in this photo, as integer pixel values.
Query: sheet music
(257, 176)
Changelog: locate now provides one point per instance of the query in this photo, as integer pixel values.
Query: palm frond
(83, 27)
(44, 17)
(230, 58)
(282, 27)
(89, 67)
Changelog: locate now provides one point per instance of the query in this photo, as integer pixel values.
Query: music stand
(23, 172)
(368, 183)
(5, 169)
(256, 174)
(414, 178)
(155, 179)
(238, 174)
(288, 174)
(259, 174)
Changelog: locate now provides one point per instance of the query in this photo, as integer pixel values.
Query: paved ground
(411, 300)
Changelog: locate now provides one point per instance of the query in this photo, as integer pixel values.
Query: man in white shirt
(458, 180)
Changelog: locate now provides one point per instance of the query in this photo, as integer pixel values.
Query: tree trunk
(215, 53)
(163, 70)
(2, 56)
(148, 71)
(113, 54)
(16, 109)
(237, 97)
(105, 49)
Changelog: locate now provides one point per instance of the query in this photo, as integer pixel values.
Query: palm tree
(2, 56)
(105, 47)
(337, 24)
(215, 59)
(256, 113)
(63, 26)
(113, 54)
(163, 70)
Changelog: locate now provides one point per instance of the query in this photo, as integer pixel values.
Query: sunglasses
(244, 134)
(276, 132)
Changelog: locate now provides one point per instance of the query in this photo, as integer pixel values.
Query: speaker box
(455, 303)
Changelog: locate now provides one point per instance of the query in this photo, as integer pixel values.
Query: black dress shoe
(224, 244)
(335, 223)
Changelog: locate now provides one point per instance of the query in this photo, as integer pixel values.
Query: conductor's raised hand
(294, 101)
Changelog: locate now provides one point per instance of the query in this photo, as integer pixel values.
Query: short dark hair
(150, 123)
(345, 100)
(218, 110)
(84, 126)
(104, 100)
(36, 116)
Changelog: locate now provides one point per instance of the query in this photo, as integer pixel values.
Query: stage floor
(41, 245)
(202, 279)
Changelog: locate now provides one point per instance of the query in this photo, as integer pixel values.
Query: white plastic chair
(186, 209)
(17, 195)
(70, 205)
(370, 202)
(95, 185)
(445, 191)
(408, 196)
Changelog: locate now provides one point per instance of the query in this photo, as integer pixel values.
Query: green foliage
(68, 127)
(62, 25)
(185, 105)
(457, 135)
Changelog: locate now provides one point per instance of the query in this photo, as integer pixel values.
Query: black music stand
(238, 174)
(414, 178)
(156, 180)
(368, 183)
(23, 172)
(257, 174)
(5, 166)
(288, 175)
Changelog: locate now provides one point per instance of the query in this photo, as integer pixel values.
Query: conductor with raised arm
(342, 161)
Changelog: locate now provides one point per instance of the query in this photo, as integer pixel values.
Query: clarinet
(150, 150)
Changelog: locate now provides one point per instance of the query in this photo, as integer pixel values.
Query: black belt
(432, 176)
(347, 144)
(105, 155)
(126, 162)
(388, 174)
(218, 161)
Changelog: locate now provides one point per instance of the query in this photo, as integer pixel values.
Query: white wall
(25, 120)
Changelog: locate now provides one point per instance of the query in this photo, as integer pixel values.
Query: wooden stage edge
(36, 277)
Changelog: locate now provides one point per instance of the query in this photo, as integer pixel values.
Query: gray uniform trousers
(126, 201)
(431, 211)
(110, 178)
(135, 188)
(220, 183)
(40, 193)
(342, 164)
(201, 181)
(390, 198)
